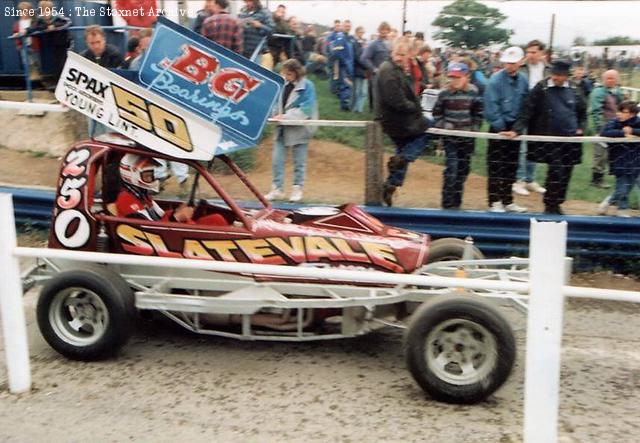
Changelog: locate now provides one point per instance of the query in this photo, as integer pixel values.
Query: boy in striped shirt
(459, 106)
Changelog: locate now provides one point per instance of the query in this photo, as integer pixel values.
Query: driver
(138, 178)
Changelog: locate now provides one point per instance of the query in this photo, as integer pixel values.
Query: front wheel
(459, 349)
(86, 314)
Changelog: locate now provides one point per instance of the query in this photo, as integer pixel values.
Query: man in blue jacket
(504, 97)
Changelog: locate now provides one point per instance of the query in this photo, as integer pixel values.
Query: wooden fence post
(374, 159)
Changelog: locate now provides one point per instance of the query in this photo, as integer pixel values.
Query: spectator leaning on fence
(399, 112)
(459, 106)
(504, 97)
(604, 101)
(222, 28)
(257, 24)
(624, 158)
(554, 107)
(98, 50)
(536, 69)
(298, 102)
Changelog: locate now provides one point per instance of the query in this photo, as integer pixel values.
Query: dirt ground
(335, 174)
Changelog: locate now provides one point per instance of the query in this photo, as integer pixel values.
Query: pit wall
(48, 132)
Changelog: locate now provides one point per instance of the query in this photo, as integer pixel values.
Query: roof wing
(135, 112)
(211, 82)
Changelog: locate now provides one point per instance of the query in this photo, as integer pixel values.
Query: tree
(580, 41)
(470, 24)
(617, 40)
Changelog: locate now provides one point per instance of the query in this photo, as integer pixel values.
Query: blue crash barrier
(594, 240)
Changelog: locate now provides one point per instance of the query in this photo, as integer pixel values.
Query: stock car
(458, 347)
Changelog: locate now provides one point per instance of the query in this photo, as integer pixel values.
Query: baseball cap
(457, 70)
(512, 55)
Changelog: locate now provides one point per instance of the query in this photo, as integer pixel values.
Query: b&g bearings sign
(211, 82)
(129, 109)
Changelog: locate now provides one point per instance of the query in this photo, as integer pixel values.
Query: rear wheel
(459, 349)
(86, 314)
(447, 249)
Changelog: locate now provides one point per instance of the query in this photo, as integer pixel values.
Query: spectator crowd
(510, 92)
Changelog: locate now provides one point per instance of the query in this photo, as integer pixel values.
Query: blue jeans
(407, 151)
(279, 158)
(360, 93)
(624, 185)
(526, 169)
(457, 167)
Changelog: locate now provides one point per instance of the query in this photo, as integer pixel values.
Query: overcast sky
(529, 19)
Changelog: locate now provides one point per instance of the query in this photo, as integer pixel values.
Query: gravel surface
(171, 385)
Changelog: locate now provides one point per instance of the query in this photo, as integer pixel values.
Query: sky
(529, 19)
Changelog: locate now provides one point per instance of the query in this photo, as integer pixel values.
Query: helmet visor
(147, 176)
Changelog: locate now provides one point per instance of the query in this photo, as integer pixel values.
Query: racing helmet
(139, 171)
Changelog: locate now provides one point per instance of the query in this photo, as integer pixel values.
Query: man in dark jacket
(554, 107)
(398, 111)
(98, 51)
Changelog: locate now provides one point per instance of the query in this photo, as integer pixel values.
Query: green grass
(329, 107)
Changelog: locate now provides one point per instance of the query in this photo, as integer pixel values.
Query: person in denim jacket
(298, 102)
(504, 98)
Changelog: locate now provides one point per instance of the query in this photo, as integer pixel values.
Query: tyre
(459, 349)
(86, 314)
(445, 249)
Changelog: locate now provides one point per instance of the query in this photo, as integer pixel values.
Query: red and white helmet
(139, 171)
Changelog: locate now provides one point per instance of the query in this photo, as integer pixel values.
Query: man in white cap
(503, 99)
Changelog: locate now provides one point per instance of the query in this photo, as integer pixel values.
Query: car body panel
(339, 237)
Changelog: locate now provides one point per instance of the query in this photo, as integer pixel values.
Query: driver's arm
(181, 214)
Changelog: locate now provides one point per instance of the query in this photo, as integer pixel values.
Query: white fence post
(547, 250)
(14, 326)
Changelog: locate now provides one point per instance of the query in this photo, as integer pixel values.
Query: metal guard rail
(592, 240)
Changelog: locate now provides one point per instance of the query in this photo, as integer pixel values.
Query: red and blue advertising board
(212, 82)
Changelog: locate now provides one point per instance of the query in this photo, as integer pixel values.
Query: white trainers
(604, 205)
(296, 193)
(515, 208)
(535, 187)
(520, 188)
(275, 194)
(497, 207)
(623, 213)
